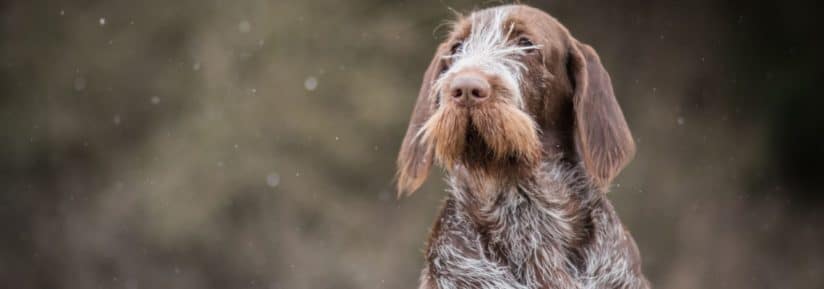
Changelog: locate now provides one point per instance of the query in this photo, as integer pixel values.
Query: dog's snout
(469, 89)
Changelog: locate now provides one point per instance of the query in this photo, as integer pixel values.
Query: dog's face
(508, 88)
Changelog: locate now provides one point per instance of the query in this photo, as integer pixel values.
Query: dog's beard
(493, 137)
(447, 131)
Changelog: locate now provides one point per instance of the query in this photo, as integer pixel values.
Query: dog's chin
(497, 139)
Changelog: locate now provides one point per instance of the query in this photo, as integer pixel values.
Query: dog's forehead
(523, 18)
(510, 14)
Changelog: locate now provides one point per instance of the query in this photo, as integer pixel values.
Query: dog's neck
(554, 180)
(478, 188)
(541, 213)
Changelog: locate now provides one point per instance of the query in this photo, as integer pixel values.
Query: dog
(524, 121)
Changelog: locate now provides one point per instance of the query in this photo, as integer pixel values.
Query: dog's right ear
(415, 158)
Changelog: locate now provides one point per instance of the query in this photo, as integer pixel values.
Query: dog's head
(508, 88)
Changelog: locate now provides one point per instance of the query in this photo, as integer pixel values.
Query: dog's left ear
(602, 138)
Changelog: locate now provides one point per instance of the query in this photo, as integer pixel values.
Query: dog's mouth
(495, 135)
(479, 155)
(475, 150)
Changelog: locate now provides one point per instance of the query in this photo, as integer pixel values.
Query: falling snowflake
(273, 179)
(244, 26)
(155, 99)
(102, 21)
(311, 83)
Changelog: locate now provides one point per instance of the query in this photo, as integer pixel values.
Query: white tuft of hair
(487, 48)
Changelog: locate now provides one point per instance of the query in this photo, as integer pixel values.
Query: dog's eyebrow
(511, 28)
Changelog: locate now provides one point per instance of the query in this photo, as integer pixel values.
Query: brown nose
(469, 89)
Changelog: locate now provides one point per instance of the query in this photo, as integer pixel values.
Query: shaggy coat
(523, 118)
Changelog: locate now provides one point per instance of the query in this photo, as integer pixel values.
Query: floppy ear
(415, 157)
(602, 139)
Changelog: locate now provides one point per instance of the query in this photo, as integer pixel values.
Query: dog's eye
(456, 47)
(525, 42)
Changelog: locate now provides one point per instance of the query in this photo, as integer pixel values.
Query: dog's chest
(528, 235)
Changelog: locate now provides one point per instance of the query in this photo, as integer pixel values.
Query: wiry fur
(446, 130)
(557, 231)
(528, 163)
(506, 130)
(487, 48)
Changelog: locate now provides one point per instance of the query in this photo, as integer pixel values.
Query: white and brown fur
(529, 157)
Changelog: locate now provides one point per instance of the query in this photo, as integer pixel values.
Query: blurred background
(251, 143)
